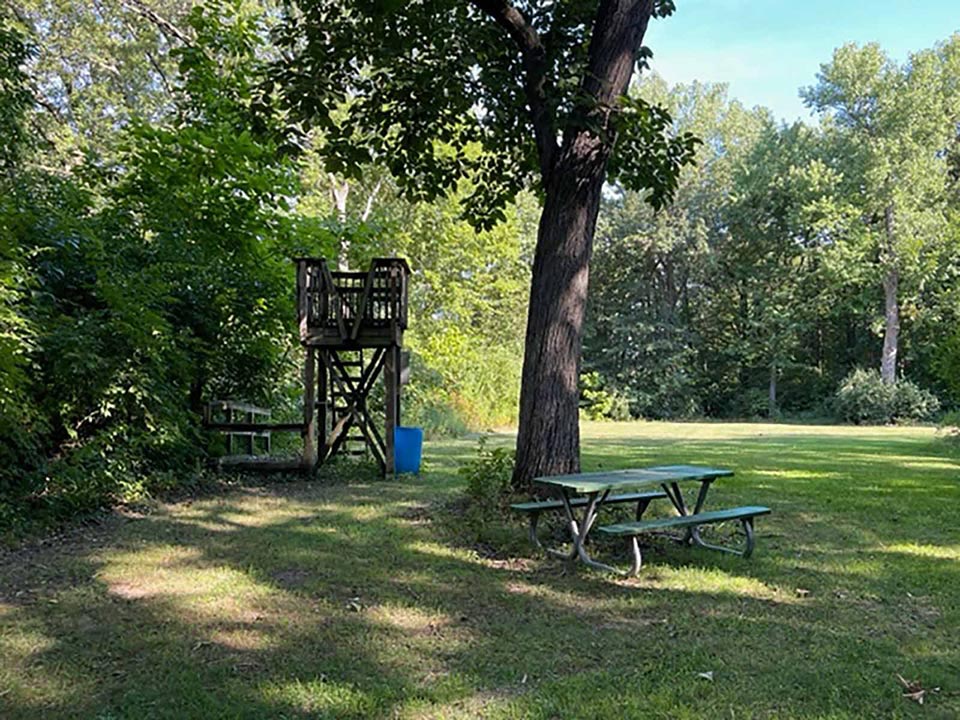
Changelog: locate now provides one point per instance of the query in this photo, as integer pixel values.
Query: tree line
(158, 173)
(795, 256)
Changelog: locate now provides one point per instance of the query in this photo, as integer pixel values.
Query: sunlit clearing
(940, 552)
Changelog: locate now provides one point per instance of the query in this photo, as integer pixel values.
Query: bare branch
(162, 24)
(368, 208)
(535, 75)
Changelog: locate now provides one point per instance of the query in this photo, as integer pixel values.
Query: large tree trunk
(548, 442)
(548, 439)
(891, 288)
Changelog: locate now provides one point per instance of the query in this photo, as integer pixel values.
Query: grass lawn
(370, 600)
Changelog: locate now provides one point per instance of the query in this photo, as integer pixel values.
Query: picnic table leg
(642, 506)
(747, 551)
(637, 557)
(580, 535)
(572, 526)
(534, 519)
(693, 534)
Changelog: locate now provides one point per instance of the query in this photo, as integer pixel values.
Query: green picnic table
(596, 487)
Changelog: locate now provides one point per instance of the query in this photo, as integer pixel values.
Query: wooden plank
(258, 464)
(323, 396)
(368, 288)
(309, 410)
(265, 428)
(391, 382)
(331, 291)
(240, 406)
(303, 298)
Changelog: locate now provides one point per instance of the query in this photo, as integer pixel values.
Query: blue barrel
(407, 449)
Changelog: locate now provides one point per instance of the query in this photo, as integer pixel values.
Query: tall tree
(653, 271)
(506, 94)
(100, 63)
(890, 132)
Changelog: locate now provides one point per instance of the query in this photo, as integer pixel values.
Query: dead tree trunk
(891, 289)
(772, 411)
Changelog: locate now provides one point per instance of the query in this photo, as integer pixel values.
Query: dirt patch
(290, 578)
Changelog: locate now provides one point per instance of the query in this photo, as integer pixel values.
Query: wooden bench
(533, 508)
(744, 514)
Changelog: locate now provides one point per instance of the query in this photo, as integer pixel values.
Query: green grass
(369, 600)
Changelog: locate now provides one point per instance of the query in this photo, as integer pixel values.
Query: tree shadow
(303, 601)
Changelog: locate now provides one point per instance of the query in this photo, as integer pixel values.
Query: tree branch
(162, 24)
(535, 75)
(614, 44)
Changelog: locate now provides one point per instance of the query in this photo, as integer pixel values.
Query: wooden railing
(336, 307)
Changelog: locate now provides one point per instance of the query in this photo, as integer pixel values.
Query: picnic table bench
(595, 491)
(534, 508)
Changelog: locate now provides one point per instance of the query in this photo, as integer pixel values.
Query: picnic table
(596, 487)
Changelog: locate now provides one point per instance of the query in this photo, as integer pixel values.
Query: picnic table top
(636, 479)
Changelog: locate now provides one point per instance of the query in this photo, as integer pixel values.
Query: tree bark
(891, 285)
(772, 411)
(891, 332)
(548, 438)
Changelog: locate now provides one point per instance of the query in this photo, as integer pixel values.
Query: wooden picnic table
(597, 486)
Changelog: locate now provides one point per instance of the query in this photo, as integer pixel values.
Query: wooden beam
(240, 428)
(309, 459)
(391, 383)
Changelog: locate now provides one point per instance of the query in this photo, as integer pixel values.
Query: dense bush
(598, 402)
(863, 398)
(133, 291)
(488, 477)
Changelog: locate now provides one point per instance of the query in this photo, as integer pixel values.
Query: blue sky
(766, 50)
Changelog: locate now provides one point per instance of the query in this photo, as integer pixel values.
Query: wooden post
(323, 395)
(309, 459)
(391, 384)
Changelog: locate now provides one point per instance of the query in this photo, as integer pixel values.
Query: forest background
(152, 195)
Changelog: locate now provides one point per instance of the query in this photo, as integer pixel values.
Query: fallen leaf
(706, 675)
(802, 592)
(914, 689)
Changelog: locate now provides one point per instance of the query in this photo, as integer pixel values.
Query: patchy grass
(370, 600)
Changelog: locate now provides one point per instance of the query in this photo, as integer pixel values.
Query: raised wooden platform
(351, 310)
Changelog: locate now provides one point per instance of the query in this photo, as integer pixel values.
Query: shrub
(488, 476)
(600, 403)
(863, 398)
(750, 403)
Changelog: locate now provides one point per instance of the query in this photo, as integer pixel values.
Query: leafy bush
(751, 403)
(488, 477)
(600, 403)
(863, 398)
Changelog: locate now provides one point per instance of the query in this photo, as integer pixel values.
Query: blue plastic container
(407, 449)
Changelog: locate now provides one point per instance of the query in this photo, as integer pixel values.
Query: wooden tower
(351, 326)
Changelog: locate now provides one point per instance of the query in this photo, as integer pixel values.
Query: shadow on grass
(356, 602)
